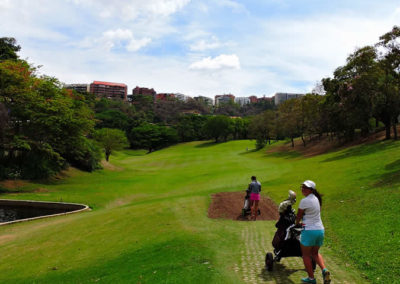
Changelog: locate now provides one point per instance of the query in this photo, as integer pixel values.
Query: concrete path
(257, 242)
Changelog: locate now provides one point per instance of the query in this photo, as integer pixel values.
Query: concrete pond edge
(74, 207)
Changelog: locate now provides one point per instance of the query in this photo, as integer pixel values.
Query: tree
(352, 90)
(387, 101)
(218, 126)
(45, 124)
(112, 119)
(152, 137)
(111, 140)
(262, 127)
(8, 48)
(289, 118)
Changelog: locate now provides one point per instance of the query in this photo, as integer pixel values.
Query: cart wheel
(314, 265)
(269, 261)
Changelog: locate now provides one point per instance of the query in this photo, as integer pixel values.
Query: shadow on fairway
(363, 150)
(285, 154)
(280, 274)
(249, 151)
(207, 144)
(390, 178)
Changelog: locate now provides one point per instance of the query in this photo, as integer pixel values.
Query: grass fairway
(149, 220)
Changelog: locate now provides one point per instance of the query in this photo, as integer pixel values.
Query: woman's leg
(306, 252)
(317, 257)
(254, 209)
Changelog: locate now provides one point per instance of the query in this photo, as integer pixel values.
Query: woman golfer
(255, 189)
(312, 235)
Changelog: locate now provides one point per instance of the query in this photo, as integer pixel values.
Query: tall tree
(387, 101)
(8, 48)
(111, 140)
(219, 126)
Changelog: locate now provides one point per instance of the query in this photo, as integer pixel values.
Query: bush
(84, 155)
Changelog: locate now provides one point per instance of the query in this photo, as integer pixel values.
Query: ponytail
(318, 195)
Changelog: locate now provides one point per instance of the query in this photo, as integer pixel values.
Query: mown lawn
(149, 220)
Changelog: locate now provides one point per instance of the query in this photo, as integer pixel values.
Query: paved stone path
(251, 269)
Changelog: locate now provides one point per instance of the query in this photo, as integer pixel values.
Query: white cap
(309, 184)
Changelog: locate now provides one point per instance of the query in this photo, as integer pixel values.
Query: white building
(206, 100)
(80, 88)
(281, 97)
(182, 97)
(242, 100)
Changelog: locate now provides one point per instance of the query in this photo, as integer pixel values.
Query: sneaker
(308, 280)
(326, 275)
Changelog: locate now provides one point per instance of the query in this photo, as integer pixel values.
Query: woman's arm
(300, 214)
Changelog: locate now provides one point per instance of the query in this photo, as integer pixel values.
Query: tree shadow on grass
(285, 154)
(249, 151)
(279, 275)
(207, 144)
(363, 150)
(389, 178)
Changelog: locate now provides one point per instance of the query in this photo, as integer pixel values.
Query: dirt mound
(228, 205)
(316, 146)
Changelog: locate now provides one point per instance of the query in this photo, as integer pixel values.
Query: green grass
(149, 220)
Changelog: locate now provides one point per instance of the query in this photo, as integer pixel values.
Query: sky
(195, 47)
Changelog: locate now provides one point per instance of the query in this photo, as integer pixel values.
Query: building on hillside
(224, 99)
(182, 97)
(268, 99)
(281, 97)
(242, 100)
(116, 91)
(204, 100)
(143, 91)
(165, 96)
(253, 99)
(80, 88)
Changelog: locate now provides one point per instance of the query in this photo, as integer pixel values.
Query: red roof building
(253, 99)
(109, 90)
(164, 96)
(143, 91)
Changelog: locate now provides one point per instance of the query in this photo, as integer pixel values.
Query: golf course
(148, 221)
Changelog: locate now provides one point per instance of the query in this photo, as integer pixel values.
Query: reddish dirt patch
(317, 146)
(228, 205)
(12, 184)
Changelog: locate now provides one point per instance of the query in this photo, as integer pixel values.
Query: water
(11, 212)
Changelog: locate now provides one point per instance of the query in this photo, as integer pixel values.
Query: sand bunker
(228, 205)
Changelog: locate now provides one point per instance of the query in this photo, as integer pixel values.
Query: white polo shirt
(312, 213)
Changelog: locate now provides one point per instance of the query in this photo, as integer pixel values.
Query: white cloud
(235, 6)
(131, 9)
(5, 4)
(116, 38)
(203, 45)
(135, 45)
(222, 61)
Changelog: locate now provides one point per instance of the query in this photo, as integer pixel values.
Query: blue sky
(209, 47)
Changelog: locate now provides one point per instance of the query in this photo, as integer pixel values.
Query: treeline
(45, 128)
(362, 97)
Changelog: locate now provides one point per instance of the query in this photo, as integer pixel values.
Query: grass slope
(149, 220)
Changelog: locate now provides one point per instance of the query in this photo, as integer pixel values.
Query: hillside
(149, 221)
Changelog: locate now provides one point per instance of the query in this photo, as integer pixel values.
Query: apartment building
(281, 97)
(223, 99)
(80, 88)
(117, 91)
(205, 100)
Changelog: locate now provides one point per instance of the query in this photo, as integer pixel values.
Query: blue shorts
(312, 238)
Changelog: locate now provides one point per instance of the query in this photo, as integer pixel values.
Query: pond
(12, 211)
